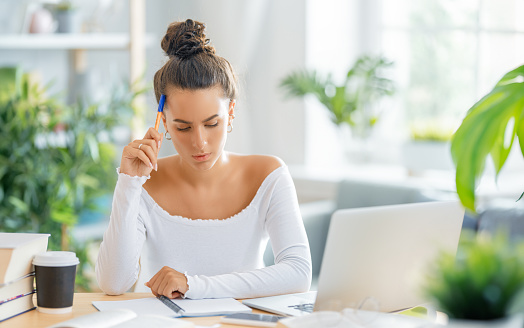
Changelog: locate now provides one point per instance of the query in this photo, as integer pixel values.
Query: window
(449, 53)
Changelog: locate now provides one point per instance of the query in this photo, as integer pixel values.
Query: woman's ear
(164, 121)
(231, 111)
(232, 104)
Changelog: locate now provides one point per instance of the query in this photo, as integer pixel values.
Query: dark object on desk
(55, 281)
(177, 309)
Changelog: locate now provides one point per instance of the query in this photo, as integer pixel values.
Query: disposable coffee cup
(55, 281)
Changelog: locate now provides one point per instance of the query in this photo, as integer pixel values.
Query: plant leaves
(19, 204)
(87, 180)
(9, 80)
(484, 281)
(482, 133)
(500, 152)
(513, 76)
(519, 124)
(469, 157)
(363, 85)
(93, 147)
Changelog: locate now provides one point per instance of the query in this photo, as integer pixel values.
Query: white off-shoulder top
(221, 258)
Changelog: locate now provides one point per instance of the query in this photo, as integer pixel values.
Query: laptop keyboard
(307, 307)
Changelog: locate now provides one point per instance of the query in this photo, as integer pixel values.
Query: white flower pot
(515, 321)
(68, 21)
(419, 156)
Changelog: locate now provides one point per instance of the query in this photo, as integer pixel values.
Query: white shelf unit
(86, 41)
(77, 44)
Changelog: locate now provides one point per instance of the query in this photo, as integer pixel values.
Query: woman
(196, 224)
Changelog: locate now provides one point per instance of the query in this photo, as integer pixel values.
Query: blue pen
(160, 110)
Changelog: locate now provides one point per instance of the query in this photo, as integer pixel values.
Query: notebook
(376, 257)
(164, 306)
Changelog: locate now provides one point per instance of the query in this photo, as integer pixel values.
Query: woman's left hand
(168, 282)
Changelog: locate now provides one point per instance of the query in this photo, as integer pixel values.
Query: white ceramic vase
(42, 22)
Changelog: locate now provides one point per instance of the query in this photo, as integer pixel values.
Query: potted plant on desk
(485, 282)
(483, 286)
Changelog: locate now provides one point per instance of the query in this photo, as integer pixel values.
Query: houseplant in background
(351, 103)
(55, 160)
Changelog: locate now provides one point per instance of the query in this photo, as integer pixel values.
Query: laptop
(377, 257)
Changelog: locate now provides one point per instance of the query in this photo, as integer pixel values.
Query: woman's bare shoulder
(257, 165)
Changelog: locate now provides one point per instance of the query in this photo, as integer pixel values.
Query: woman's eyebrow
(187, 122)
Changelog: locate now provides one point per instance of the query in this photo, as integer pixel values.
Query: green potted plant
(55, 160)
(483, 286)
(350, 102)
(489, 129)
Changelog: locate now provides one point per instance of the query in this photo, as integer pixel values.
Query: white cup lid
(56, 259)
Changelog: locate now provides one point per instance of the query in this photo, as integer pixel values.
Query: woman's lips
(201, 157)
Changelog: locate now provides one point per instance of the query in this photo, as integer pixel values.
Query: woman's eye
(212, 125)
(183, 129)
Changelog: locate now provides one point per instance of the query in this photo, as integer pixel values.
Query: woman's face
(197, 121)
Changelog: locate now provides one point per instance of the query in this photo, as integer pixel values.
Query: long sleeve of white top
(117, 266)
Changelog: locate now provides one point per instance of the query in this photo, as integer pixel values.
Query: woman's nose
(200, 138)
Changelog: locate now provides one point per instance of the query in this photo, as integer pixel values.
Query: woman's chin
(204, 165)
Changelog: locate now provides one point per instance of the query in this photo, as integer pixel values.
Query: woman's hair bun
(186, 39)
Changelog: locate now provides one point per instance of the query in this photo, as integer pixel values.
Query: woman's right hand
(139, 157)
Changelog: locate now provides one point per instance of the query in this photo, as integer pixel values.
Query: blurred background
(411, 70)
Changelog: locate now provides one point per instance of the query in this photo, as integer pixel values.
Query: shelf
(100, 41)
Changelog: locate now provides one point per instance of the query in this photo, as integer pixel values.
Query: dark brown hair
(192, 63)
